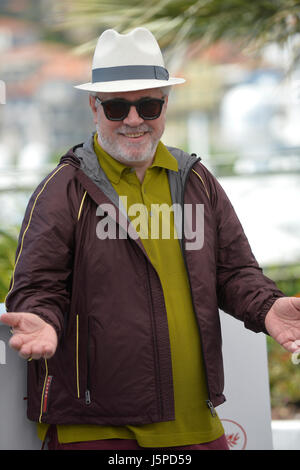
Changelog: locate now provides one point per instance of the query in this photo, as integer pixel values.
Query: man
(119, 322)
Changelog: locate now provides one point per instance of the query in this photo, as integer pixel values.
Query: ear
(92, 102)
(166, 98)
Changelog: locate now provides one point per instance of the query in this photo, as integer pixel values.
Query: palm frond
(176, 22)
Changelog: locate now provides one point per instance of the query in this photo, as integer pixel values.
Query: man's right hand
(32, 337)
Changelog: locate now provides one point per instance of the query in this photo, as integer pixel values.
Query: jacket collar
(84, 156)
(114, 169)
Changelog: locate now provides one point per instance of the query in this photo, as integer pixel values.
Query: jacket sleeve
(242, 289)
(41, 280)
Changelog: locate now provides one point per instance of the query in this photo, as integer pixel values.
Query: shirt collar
(114, 169)
(164, 159)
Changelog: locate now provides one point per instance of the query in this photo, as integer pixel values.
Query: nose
(133, 119)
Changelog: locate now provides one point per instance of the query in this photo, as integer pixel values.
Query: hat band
(130, 72)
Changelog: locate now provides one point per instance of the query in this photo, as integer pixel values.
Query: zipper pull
(211, 407)
(87, 397)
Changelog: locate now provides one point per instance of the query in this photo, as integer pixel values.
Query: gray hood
(90, 165)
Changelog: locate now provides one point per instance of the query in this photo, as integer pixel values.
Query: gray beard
(118, 152)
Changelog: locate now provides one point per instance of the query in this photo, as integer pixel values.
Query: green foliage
(283, 374)
(8, 244)
(177, 21)
(287, 278)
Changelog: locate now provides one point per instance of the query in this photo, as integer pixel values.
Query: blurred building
(241, 113)
(241, 116)
(44, 114)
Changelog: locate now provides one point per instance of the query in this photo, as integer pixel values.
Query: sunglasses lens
(150, 109)
(116, 110)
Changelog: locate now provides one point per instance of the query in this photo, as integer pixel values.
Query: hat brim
(128, 85)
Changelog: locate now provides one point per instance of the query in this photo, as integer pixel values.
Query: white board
(16, 431)
(246, 414)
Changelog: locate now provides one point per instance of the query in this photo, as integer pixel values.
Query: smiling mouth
(134, 135)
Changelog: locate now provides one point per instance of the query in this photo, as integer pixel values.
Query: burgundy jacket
(105, 300)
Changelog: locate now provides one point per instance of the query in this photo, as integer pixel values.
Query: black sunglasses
(118, 109)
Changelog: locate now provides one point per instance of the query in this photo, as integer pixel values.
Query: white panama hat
(128, 62)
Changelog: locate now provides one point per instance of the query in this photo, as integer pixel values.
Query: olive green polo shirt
(193, 421)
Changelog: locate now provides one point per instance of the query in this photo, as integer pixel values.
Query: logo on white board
(236, 435)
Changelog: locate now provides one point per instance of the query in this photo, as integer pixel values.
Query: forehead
(132, 95)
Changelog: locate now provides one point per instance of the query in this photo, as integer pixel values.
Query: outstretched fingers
(31, 349)
(10, 319)
(32, 336)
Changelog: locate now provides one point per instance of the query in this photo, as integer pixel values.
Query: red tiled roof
(41, 61)
(16, 25)
(48, 61)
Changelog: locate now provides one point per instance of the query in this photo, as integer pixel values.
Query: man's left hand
(283, 322)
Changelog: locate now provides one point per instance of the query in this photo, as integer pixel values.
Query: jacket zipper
(155, 346)
(154, 340)
(77, 357)
(87, 393)
(43, 392)
(87, 397)
(208, 402)
(211, 407)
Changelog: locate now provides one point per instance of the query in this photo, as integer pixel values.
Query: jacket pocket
(82, 359)
(77, 357)
(88, 365)
(93, 359)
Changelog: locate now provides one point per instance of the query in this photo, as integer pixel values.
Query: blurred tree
(284, 381)
(8, 244)
(178, 22)
(283, 373)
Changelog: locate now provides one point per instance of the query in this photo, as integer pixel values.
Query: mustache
(125, 129)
